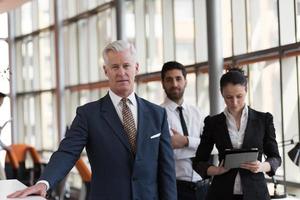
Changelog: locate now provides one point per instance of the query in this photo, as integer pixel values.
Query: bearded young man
(186, 124)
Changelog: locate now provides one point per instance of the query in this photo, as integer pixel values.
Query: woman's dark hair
(2, 95)
(234, 76)
(170, 66)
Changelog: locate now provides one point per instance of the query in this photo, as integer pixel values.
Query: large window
(154, 40)
(239, 27)
(5, 113)
(290, 102)
(262, 22)
(265, 93)
(259, 35)
(35, 76)
(84, 41)
(184, 31)
(298, 19)
(227, 27)
(287, 22)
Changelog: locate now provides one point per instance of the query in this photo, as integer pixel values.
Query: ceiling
(6, 5)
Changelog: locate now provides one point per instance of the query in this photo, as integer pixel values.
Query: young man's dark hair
(172, 65)
(2, 95)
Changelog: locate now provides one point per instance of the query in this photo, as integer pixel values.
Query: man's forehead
(174, 73)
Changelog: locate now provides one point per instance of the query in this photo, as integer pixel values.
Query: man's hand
(178, 141)
(38, 189)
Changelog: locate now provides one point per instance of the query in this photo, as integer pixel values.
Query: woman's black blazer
(259, 133)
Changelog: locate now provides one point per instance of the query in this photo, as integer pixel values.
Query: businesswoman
(238, 127)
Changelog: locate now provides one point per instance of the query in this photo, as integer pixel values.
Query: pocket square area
(155, 136)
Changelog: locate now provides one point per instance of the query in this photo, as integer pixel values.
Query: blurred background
(50, 63)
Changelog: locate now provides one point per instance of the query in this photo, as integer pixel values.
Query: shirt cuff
(193, 142)
(45, 182)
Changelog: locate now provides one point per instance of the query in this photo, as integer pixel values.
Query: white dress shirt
(237, 138)
(116, 100)
(194, 119)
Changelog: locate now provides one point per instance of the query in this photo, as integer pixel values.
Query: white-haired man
(126, 139)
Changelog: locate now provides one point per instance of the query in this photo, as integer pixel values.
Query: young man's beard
(175, 96)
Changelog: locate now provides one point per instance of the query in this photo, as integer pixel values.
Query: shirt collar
(244, 112)
(172, 105)
(116, 99)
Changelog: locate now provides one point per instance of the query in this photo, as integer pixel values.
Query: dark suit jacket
(259, 133)
(116, 173)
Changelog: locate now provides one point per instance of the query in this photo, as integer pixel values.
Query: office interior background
(51, 61)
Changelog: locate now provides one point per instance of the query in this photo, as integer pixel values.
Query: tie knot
(179, 108)
(124, 101)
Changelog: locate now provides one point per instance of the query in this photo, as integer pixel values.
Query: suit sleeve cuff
(44, 182)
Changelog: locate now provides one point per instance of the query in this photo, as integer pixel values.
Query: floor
(293, 191)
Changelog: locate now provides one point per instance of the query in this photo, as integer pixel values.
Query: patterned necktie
(182, 121)
(129, 125)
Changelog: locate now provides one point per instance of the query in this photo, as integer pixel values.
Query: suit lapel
(249, 128)
(224, 129)
(143, 119)
(110, 115)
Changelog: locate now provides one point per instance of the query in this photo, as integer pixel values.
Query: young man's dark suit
(259, 133)
(116, 173)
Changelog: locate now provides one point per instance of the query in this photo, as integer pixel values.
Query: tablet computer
(235, 157)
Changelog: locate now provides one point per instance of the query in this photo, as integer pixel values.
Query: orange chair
(15, 163)
(83, 170)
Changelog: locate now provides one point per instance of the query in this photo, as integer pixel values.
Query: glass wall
(36, 72)
(262, 22)
(184, 31)
(162, 30)
(265, 94)
(5, 113)
(290, 102)
(35, 75)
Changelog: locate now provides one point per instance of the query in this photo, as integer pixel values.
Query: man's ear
(104, 69)
(137, 67)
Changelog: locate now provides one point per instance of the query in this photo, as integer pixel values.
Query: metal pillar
(215, 57)
(13, 77)
(59, 66)
(120, 17)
